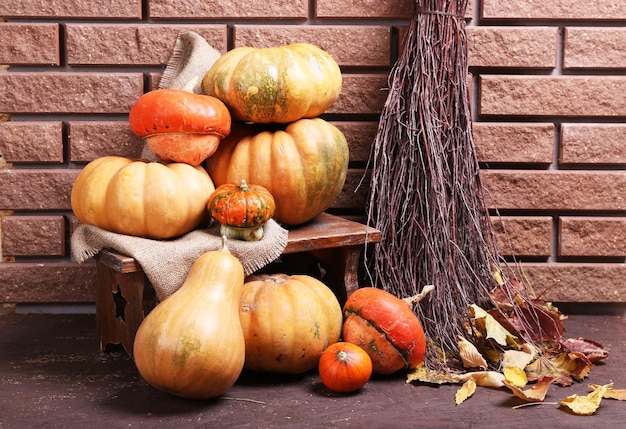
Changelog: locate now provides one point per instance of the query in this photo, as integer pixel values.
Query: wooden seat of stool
(124, 294)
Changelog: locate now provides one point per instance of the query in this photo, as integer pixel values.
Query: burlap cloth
(167, 262)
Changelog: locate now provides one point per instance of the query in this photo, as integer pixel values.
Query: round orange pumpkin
(288, 322)
(303, 165)
(180, 126)
(144, 199)
(344, 367)
(386, 328)
(242, 210)
(278, 84)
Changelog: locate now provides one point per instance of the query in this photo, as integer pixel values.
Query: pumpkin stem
(420, 296)
(244, 185)
(225, 244)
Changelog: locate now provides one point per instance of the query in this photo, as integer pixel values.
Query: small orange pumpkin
(180, 126)
(242, 210)
(344, 367)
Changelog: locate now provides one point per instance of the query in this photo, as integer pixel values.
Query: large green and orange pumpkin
(302, 164)
(144, 199)
(278, 84)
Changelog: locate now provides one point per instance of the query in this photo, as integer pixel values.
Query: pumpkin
(344, 367)
(278, 84)
(287, 321)
(303, 165)
(191, 344)
(180, 126)
(242, 210)
(144, 199)
(386, 328)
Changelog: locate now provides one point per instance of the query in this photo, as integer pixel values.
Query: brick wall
(548, 105)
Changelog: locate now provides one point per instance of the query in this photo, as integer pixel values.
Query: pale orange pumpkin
(144, 199)
(288, 321)
(303, 165)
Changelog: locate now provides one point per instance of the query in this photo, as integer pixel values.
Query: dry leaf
(610, 393)
(426, 375)
(515, 376)
(492, 328)
(586, 405)
(536, 393)
(470, 355)
(484, 378)
(465, 391)
(517, 358)
(592, 350)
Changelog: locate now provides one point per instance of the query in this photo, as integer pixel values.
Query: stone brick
(69, 92)
(578, 282)
(33, 236)
(593, 144)
(91, 140)
(511, 142)
(524, 235)
(572, 96)
(512, 46)
(30, 189)
(29, 44)
(360, 136)
(594, 47)
(32, 142)
(554, 10)
(592, 236)
(145, 44)
(47, 282)
(361, 94)
(363, 9)
(101, 9)
(369, 9)
(343, 42)
(555, 189)
(268, 9)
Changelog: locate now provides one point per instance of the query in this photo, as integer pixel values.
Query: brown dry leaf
(575, 364)
(465, 391)
(610, 393)
(515, 376)
(536, 393)
(586, 405)
(470, 355)
(592, 350)
(563, 368)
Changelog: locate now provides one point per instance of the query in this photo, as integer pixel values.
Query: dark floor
(52, 376)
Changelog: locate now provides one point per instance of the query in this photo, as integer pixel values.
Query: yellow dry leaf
(516, 376)
(484, 378)
(426, 375)
(493, 329)
(586, 405)
(536, 393)
(465, 391)
(610, 393)
(470, 355)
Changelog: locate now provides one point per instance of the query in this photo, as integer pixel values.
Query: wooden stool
(124, 294)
